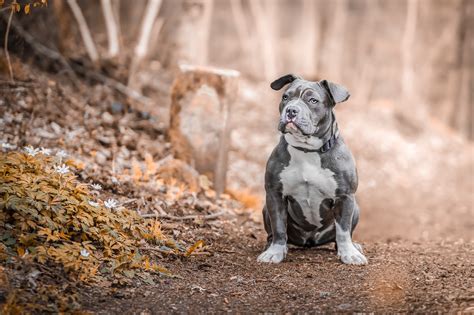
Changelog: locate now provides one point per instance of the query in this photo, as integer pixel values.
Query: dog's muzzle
(296, 116)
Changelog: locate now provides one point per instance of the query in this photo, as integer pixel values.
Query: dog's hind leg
(345, 208)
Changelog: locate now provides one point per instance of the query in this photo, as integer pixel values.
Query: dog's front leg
(277, 212)
(344, 208)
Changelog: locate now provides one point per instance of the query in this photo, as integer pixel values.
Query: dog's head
(306, 106)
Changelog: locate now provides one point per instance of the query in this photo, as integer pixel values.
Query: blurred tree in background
(416, 53)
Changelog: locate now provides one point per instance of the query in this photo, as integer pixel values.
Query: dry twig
(151, 11)
(84, 30)
(141, 50)
(5, 43)
(41, 49)
(116, 85)
(112, 28)
(186, 217)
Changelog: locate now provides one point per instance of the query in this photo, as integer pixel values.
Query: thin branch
(41, 49)
(120, 87)
(151, 12)
(17, 84)
(155, 249)
(126, 202)
(111, 26)
(5, 45)
(5, 9)
(55, 55)
(84, 30)
(186, 217)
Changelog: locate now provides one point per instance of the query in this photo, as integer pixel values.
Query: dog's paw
(358, 247)
(274, 254)
(351, 254)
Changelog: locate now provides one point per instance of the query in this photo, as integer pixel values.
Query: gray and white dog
(311, 177)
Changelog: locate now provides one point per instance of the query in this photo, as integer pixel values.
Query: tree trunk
(407, 51)
(241, 25)
(111, 26)
(205, 32)
(84, 30)
(264, 16)
(462, 111)
(141, 49)
(366, 70)
(151, 12)
(309, 40)
(335, 42)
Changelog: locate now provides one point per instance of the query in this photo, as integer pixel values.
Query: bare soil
(400, 277)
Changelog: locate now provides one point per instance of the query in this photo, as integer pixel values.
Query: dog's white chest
(308, 183)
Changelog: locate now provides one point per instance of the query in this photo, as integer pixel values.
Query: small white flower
(94, 204)
(31, 151)
(84, 253)
(115, 181)
(45, 151)
(61, 169)
(110, 203)
(8, 146)
(96, 186)
(61, 154)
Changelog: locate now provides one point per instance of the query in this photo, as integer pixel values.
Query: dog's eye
(313, 101)
(284, 97)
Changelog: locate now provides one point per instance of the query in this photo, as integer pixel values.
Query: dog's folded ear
(282, 81)
(337, 92)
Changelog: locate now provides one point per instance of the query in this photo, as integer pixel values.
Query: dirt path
(400, 277)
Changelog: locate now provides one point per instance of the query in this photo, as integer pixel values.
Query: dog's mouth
(293, 126)
(300, 123)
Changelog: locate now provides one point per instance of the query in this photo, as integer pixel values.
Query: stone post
(200, 112)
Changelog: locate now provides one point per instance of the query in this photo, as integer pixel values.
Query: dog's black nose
(291, 112)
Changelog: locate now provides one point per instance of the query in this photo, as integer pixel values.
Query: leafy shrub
(48, 216)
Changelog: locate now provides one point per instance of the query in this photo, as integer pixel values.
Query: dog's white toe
(350, 254)
(358, 247)
(274, 254)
